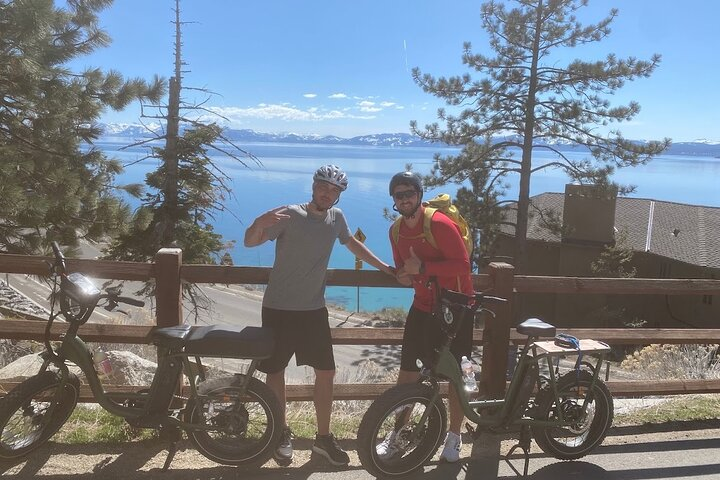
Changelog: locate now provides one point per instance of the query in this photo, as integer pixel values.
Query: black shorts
(423, 334)
(305, 334)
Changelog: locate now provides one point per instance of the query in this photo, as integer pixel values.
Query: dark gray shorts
(423, 334)
(305, 334)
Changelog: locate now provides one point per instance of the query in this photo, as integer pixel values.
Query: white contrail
(405, 49)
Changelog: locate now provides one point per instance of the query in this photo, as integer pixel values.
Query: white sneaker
(387, 448)
(451, 450)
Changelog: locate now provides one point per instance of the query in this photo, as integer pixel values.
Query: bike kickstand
(173, 435)
(524, 445)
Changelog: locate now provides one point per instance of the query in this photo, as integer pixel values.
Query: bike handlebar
(478, 299)
(59, 257)
(59, 267)
(130, 301)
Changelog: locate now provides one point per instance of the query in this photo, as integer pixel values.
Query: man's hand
(255, 234)
(412, 264)
(403, 278)
(271, 217)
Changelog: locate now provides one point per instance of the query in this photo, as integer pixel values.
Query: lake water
(286, 177)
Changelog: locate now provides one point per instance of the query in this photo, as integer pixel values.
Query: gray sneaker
(284, 451)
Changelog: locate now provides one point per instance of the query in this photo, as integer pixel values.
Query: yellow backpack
(443, 204)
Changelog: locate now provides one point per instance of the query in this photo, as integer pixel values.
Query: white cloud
(338, 95)
(284, 112)
(366, 103)
(310, 95)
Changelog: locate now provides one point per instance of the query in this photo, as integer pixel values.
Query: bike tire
(382, 418)
(23, 426)
(244, 431)
(588, 431)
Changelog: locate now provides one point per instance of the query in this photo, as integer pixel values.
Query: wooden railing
(169, 272)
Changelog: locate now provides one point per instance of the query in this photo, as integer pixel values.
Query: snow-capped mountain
(699, 147)
(250, 136)
(129, 129)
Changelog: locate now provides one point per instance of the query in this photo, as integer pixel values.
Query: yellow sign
(360, 236)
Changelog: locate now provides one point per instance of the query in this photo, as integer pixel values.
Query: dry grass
(675, 362)
(346, 414)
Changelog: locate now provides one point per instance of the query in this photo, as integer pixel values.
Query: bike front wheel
(401, 431)
(34, 410)
(588, 427)
(235, 428)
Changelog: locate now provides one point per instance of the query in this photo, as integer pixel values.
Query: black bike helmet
(332, 174)
(406, 178)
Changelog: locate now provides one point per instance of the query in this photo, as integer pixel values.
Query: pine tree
(54, 185)
(526, 100)
(186, 191)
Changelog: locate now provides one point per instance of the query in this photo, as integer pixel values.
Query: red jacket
(448, 262)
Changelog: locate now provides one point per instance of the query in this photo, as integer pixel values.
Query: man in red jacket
(419, 264)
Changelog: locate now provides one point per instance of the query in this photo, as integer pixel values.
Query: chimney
(589, 214)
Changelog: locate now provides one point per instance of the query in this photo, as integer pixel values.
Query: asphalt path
(666, 451)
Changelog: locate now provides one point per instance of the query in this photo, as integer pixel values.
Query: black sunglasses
(405, 194)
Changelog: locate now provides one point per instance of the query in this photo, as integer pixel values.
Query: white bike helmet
(332, 174)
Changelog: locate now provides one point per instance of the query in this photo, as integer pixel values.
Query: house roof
(688, 233)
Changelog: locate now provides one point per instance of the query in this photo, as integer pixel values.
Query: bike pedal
(474, 433)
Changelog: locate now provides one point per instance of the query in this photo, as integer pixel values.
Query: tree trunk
(521, 254)
(167, 236)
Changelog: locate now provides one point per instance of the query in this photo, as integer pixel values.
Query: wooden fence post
(168, 287)
(496, 333)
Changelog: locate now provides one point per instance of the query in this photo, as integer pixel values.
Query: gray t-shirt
(302, 252)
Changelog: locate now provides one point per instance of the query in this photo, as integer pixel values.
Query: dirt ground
(143, 460)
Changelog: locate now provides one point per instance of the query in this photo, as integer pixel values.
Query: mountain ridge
(700, 147)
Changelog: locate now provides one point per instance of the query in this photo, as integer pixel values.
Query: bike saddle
(171, 337)
(534, 327)
(216, 340)
(230, 341)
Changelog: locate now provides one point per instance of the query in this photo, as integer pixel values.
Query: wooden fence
(169, 273)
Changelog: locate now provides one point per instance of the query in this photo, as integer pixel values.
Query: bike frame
(75, 350)
(445, 366)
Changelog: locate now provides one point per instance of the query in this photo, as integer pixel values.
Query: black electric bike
(230, 419)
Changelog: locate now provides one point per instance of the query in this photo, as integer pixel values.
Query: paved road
(629, 453)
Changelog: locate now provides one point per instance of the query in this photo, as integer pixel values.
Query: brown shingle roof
(688, 233)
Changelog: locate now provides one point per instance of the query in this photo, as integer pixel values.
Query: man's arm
(363, 253)
(255, 233)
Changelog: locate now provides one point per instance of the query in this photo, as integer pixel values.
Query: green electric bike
(568, 414)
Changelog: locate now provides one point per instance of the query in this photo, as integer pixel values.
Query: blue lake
(285, 177)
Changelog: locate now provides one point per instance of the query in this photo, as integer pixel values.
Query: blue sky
(335, 67)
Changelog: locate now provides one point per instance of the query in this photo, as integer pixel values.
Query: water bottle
(103, 366)
(468, 375)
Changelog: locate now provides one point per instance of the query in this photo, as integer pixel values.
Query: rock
(128, 369)
(14, 303)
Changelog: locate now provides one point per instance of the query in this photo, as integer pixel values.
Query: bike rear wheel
(34, 411)
(236, 429)
(399, 410)
(588, 428)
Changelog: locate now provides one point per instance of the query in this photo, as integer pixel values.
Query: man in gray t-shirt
(294, 302)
